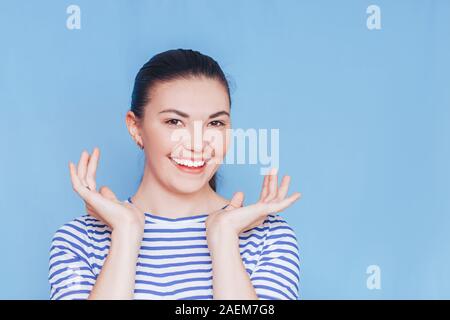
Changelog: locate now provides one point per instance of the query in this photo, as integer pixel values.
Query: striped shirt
(174, 260)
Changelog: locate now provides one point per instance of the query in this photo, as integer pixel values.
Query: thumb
(237, 200)
(107, 193)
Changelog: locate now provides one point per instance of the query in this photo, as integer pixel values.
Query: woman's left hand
(235, 219)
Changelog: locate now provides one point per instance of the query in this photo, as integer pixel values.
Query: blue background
(364, 120)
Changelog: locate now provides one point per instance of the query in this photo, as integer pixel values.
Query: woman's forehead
(196, 96)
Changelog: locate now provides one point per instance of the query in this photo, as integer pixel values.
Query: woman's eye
(217, 123)
(173, 122)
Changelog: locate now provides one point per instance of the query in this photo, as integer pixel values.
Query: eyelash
(222, 124)
(169, 122)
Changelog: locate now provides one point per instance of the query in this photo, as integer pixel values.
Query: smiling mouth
(189, 165)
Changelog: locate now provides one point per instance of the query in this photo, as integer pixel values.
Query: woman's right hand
(102, 205)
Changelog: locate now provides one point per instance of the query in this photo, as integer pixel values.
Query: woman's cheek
(218, 141)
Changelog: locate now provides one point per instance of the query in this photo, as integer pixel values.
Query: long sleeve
(277, 272)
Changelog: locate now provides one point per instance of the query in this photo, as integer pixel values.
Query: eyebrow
(185, 115)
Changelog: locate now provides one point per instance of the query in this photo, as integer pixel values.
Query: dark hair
(172, 65)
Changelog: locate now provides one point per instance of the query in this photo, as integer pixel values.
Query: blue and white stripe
(174, 261)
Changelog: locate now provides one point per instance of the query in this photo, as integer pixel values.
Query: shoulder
(79, 232)
(81, 226)
(280, 234)
(274, 226)
(277, 224)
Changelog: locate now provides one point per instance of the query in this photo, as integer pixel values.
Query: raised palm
(239, 219)
(103, 204)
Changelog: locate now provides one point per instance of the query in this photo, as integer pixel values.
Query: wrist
(131, 235)
(221, 238)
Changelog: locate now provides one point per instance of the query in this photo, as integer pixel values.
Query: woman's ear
(134, 128)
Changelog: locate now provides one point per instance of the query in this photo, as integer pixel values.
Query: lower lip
(187, 169)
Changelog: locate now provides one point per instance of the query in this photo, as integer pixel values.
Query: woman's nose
(195, 144)
(196, 140)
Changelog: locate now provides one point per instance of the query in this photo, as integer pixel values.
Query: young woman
(176, 238)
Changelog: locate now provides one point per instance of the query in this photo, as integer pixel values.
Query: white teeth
(189, 163)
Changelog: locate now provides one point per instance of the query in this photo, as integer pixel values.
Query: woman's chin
(188, 180)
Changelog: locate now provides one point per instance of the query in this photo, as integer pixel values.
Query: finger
(273, 185)
(265, 188)
(92, 169)
(76, 182)
(101, 206)
(82, 167)
(107, 193)
(282, 191)
(280, 206)
(97, 203)
(236, 201)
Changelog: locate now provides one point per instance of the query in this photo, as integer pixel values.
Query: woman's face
(184, 132)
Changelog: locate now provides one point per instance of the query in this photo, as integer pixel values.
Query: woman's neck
(152, 196)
